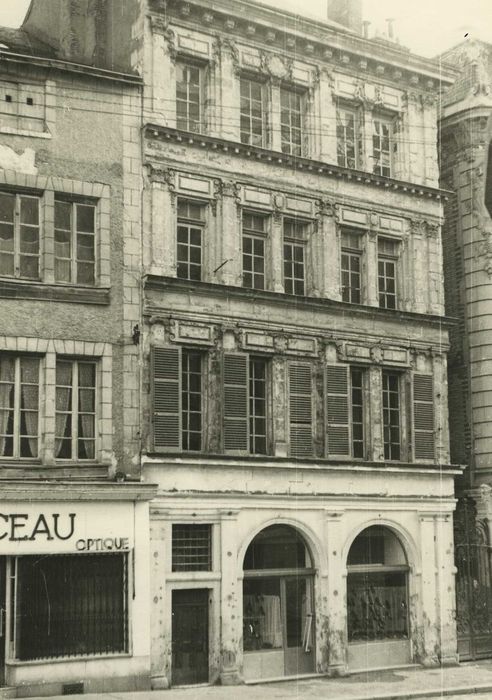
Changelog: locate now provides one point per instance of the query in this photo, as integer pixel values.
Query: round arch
(401, 533)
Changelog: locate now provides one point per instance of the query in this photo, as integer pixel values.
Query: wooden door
(190, 622)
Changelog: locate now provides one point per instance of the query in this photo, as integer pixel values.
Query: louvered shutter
(337, 387)
(423, 416)
(236, 432)
(166, 395)
(301, 410)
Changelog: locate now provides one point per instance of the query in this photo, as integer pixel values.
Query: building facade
(292, 340)
(74, 593)
(465, 137)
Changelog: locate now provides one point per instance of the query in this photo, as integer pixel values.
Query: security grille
(192, 548)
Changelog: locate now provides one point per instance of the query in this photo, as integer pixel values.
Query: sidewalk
(407, 683)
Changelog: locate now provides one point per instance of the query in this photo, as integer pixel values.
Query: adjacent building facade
(277, 315)
(74, 595)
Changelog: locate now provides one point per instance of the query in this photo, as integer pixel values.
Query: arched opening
(278, 634)
(377, 600)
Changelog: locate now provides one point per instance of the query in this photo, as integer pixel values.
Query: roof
(19, 41)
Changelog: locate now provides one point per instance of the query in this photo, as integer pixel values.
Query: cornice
(25, 490)
(309, 39)
(288, 302)
(277, 158)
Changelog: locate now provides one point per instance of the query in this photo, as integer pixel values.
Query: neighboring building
(293, 354)
(74, 555)
(466, 168)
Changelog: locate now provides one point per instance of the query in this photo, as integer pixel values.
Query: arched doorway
(278, 622)
(377, 601)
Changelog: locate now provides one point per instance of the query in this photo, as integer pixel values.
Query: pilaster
(333, 638)
(325, 252)
(276, 254)
(163, 234)
(376, 448)
(428, 591)
(230, 600)
(327, 115)
(370, 277)
(228, 262)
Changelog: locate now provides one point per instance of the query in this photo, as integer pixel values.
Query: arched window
(277, 547)
(377, 590)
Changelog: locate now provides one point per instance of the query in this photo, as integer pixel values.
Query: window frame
(264, 102)
(300, 241)
(358, 123)
(74, 412)
(189, 63)
(74, 233)
(266, 361)
(392, 259)
(379, 167)
(352, 253)
(17, 408)
(186, 352)
(191, 224)
(254, 234)
(288, 146)
(17, 224)
(389, 372)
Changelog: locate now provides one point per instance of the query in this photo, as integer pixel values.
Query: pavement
(473, 678)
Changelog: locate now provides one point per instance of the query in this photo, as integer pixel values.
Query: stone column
(279, 406)
(230, 600)
(333, 638)
(370, 274)
(228, 235)
(376, 447)
(428, 591)
(160, 624)
(326, 253)
(274, 267)
(439, 365)
(446, 594)
(163, 73)
(418, 268)
(327, 117)
(163, 234)
(275, 142)
(367, 160)
(228, 90)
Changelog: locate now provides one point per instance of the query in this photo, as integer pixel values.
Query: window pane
(85, 247)
(63, 215)
(85, 218)
(7, 207)
(29, 210)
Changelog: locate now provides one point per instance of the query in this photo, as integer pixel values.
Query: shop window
(19, 236)
(351, 267)
(291, 121)
(295, 241)
(191, 224)
(189, 97)
(246, 383)
(387, 273)
(345, 433)
(377, 588)
(349, 138)
(71, 605)
(254, 244)
(178, 400)
(192, 547)
(75, 435)
(75, 242)
(252, 112)
(19, 406)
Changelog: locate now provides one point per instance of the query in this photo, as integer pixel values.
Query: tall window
(387, 273)
(252, 112)
(381, 147)
(351, 265)
(357, 396)
(75, 409)
(291, 116)
(19, 235)
(188, 97)
(191, 400)
(345, 411)
(19, 406)
(75, 245)
(253, 241)
(191, 222)
(391, 415)
(257, 405)
(295, 234)
(349, 142)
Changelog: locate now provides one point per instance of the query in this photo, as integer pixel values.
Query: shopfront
(68, 592)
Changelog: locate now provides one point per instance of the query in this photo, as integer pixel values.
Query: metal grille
(71, 605)
(192, 548)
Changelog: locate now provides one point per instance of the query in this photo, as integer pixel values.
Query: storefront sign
(36, 528)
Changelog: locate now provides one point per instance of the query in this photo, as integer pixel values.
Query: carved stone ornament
(159, 24)
(326, 207)
(377, 354)
(280, 343)
(276, 66)
(227, 45)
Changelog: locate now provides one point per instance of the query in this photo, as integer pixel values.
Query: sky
(427, 27)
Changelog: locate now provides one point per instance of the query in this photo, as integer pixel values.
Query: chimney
(346, 12)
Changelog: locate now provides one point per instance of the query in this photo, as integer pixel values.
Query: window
(188, 97)
(69, 605)
(295, 234)
(300, 409)
(75, 433)
(252, 113)
(19, 406)
(257, 405)
(291, 116)
(192, 547)
(345, 411)
(387, 280)
(191, 400)
(75, 244)
(349, 141)
(391, 415)
(19, 235)
(381, 147)
(191, 222)
(253, 240)
(351, 266)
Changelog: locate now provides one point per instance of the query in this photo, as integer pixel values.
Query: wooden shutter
(301, 410)
(337, 387)
(236, 428)
(423, 416)
(166, 396)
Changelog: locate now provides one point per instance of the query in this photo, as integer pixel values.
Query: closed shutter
(423, 416)
(301, 410)
(236, 433)
(166, 394)
(337, 386)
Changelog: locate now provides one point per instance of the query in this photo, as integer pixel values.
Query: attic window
(8, 98)
(29, 101)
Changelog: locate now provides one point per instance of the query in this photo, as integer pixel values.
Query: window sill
(25, 289)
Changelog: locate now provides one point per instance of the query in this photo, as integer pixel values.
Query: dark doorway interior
(190, 636)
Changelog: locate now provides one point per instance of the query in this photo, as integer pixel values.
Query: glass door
(298, 625)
